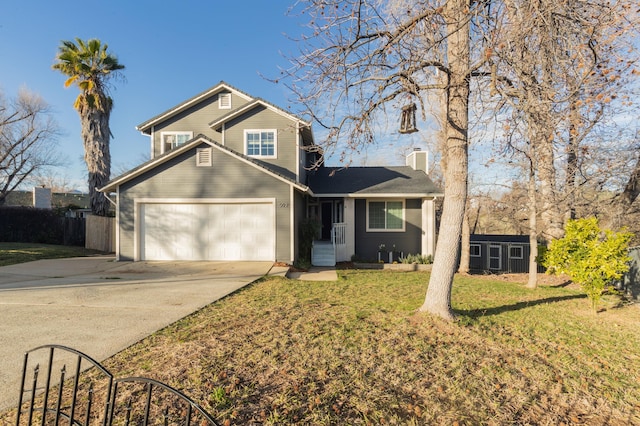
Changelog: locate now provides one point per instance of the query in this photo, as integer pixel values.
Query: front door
(327, 220)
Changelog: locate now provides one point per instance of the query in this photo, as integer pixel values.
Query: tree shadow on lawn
(497, 310)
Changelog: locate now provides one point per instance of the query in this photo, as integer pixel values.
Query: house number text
(284, 205)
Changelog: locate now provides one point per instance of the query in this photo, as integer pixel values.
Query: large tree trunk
(96, 137)
(465, 244)
(438, 297)
(533, 226)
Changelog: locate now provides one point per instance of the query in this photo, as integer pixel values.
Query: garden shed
(499, 253)
(630, 283)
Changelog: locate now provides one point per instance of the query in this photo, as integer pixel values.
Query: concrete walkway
(100, 307)
(315, 273)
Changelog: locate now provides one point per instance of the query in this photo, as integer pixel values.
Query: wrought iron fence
(68, 387)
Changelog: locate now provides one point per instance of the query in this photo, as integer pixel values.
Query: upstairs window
(172, 140)
(261, 143)
(385, 216)
(224, 101)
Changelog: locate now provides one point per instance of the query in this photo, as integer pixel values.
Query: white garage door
(207, 231)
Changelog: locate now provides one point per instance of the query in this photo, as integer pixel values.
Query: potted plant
(382, 253)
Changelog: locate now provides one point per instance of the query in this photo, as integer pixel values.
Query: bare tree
(361, 60)
(557, 63)
(28, 135)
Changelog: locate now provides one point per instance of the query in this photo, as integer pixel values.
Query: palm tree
(89, 66)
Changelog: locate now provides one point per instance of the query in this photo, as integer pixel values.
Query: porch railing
(339, 240)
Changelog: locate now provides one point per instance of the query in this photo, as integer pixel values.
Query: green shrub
(309, 231)
(592, 257)
(417, 259)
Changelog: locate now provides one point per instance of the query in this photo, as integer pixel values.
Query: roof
(146, 126)
(194, 142)
(217, 123)
(58, 199)
(372, 181)
(502, 238)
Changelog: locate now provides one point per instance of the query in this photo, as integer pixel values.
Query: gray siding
(195, 119)
(227, 178)
(263, 118)
(409, 241)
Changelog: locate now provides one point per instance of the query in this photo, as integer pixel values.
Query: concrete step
(323, 254)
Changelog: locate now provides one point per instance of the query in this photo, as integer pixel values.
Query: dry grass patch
(356, 352)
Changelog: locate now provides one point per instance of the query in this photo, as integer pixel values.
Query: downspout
(298, 151)
(152, 138)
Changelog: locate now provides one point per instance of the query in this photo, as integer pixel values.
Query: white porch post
(428, 226)
(350, 221)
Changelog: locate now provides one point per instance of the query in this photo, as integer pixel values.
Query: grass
(13, 253)
(356, 351)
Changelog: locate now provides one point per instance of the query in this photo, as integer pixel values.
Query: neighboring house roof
(199, 139)
(58, 199)
(146, 126)
(372, 181)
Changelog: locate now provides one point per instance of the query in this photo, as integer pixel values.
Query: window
(475, 250)
(224, 101)
(204, 157)
(260, 143)
(171, 140)
(385, 216)
(516, 252)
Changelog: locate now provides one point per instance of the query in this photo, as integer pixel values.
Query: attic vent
(204, 157)
(224, 101)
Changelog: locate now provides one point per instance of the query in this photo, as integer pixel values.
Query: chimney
(418, 160)
(42, 198)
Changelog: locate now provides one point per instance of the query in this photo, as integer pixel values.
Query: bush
(418, 259)
(31, 225)
(309, 231)
(592, 257)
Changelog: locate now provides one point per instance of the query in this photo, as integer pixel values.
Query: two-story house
(229, 179)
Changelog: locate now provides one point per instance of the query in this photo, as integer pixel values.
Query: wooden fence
(100, 233)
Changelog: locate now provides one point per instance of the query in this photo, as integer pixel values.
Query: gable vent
(224, 101)
(204, 157)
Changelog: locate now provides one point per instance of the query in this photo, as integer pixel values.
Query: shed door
(207, 231)
(495, 257)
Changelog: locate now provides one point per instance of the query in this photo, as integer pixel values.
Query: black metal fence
(67, 387)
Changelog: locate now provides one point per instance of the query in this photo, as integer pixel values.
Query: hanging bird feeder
(408, 119)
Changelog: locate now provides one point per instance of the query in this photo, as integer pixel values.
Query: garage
(207, 231)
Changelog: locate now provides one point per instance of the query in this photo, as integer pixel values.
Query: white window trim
(163, 134)
(479, 246)
(275, 142)
(221, 104)
(204, 157)
(516, 246)
(404, 221)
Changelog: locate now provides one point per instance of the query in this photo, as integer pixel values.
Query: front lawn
(356, 352)
(12, 253)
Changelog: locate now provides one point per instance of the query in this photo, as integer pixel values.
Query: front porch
(327, 253)
(347, 232)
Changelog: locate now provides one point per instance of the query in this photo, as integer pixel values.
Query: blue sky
(172, 50)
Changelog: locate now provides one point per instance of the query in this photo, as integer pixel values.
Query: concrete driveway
(99, 306)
